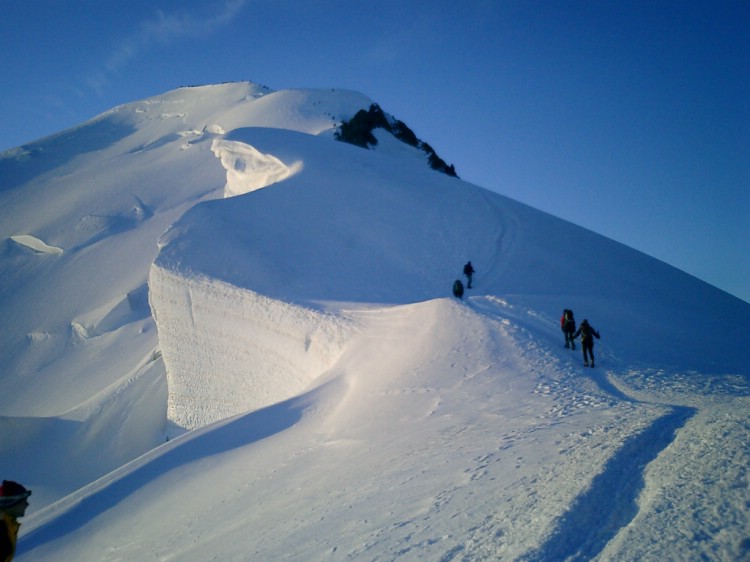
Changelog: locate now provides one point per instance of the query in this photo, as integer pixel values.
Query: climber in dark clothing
(13, 504)
(568, 326)
(458, 289)
(587, 333)
(469, 272)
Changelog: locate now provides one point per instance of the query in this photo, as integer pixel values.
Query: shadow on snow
(238, 432)
(610, 503)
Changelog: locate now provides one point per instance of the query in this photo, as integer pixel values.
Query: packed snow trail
(610, 503)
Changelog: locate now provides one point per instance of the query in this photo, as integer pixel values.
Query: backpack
(568, 323)
(458, 288)
(587, 332)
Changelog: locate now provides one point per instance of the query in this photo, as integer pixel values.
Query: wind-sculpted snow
(248, 169)
(33, 243)
(230, 350)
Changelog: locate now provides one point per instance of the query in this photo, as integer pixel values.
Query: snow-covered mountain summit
(213, 266)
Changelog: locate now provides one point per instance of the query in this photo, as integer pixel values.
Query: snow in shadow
(20, 165)
(610, 503)
(238, 432)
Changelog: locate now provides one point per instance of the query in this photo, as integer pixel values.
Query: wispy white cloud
(164, 29)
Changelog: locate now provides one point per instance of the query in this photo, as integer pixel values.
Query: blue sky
(630, 118)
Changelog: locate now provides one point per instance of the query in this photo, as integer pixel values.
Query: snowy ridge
(345, 406)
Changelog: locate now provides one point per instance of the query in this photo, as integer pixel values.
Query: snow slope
(79, 336)
(210, 265)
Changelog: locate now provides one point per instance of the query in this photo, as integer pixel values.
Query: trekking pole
(572, 349)
(570, 355)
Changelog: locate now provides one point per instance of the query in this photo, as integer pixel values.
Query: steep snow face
(229, 350)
